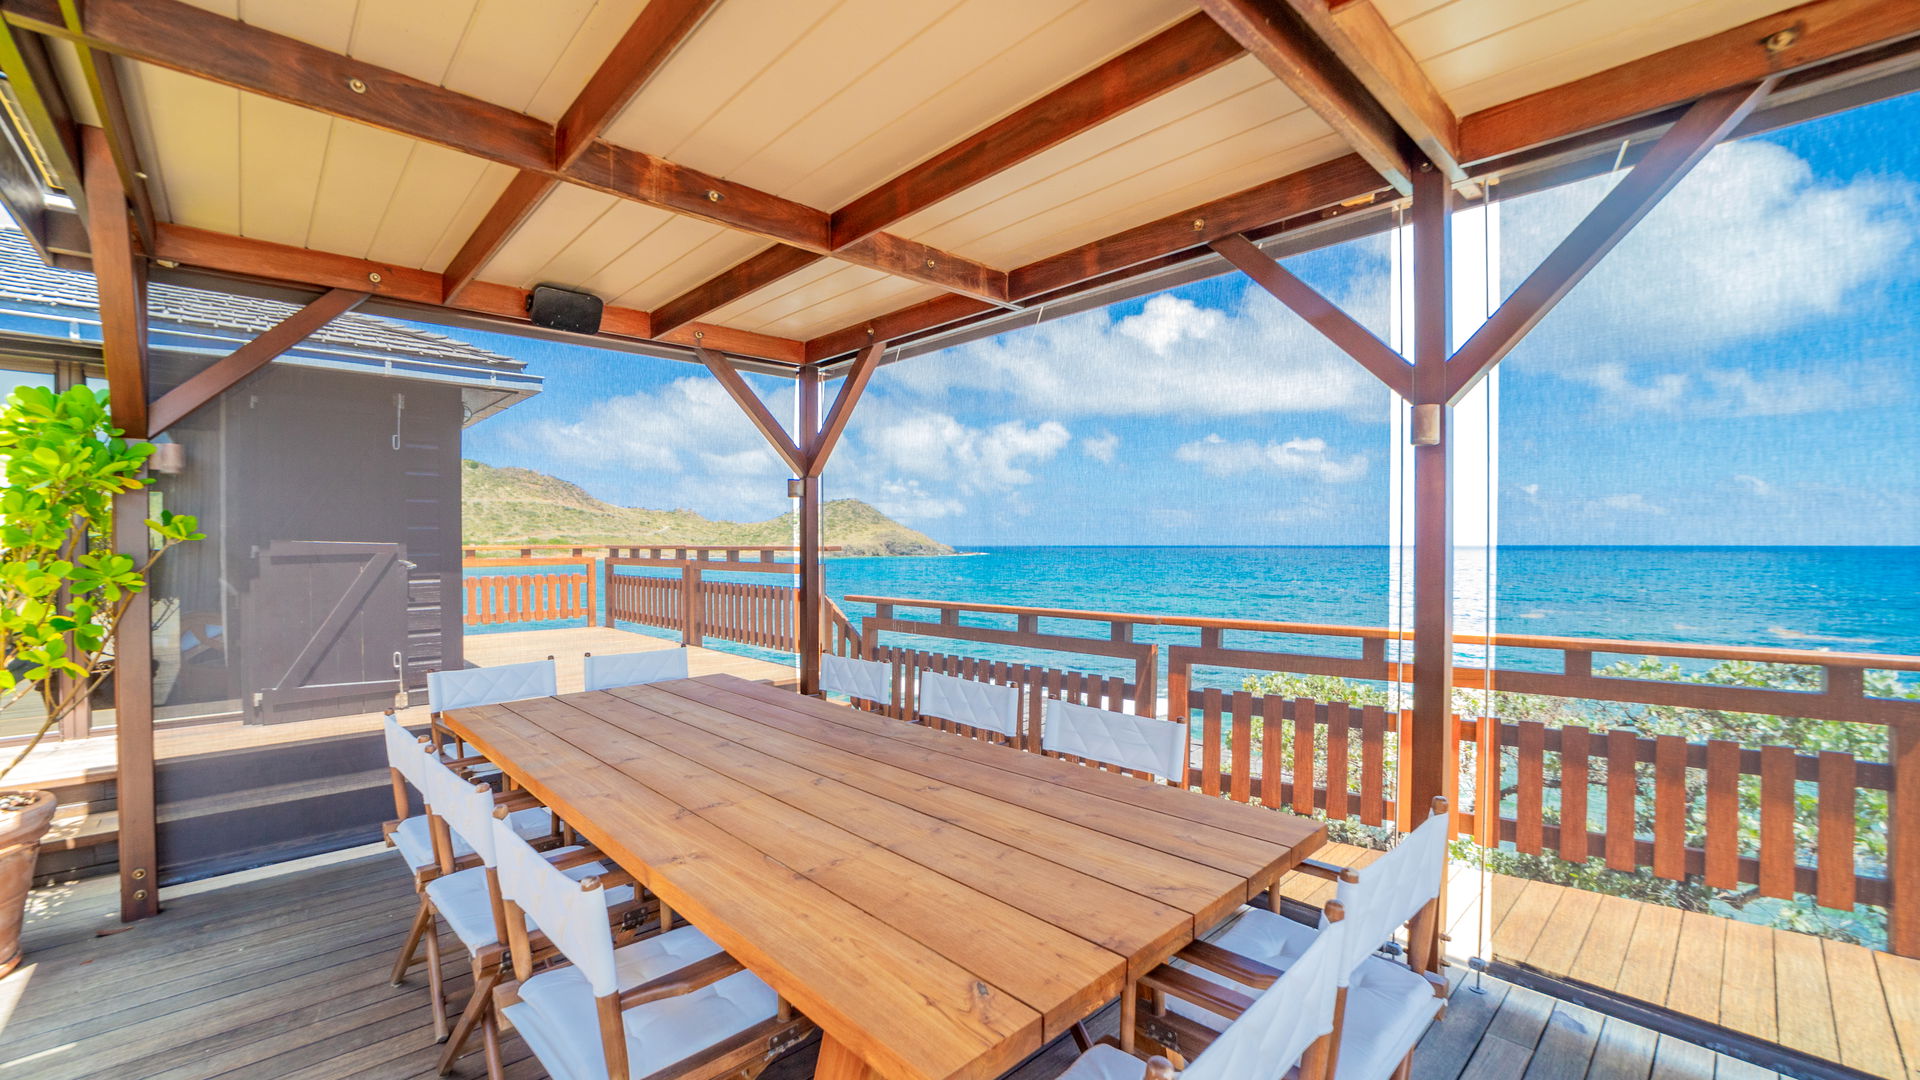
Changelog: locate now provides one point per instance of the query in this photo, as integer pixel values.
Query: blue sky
(1742, 369)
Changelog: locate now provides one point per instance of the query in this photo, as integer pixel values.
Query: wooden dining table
(941, 907)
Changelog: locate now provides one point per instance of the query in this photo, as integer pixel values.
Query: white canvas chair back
(467, 808)
(1270, 1037)
(573, 918)
(869, 680)
(1133, 742)
(490, 685)
(407, 754)
(975, 704)
(1391, 890)
(635, 669)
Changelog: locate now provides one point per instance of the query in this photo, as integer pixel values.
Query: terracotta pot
(20, 833)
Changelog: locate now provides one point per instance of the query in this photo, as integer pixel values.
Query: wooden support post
(808, 637)
(690, 629)
(1903, 840)
(122, 281)
(133, 721)
(1432, 499)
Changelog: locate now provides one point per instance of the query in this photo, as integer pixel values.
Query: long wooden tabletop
(941, 907)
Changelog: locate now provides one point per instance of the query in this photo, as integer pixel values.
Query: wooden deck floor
(1833, 1001)
(282, 972)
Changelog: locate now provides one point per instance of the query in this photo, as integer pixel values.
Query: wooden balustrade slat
(1573, 793)
(1403, 784)
(1373, 764)
(1836, 852)
(1778, 855)
(1530, 807)
(1210, 742)
(1242, 789)
(1303, 755)
(1623, 791)
(1723, 813)
(1670, 807)
(1337, 761)
(1271, 723)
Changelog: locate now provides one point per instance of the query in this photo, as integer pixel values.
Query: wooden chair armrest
(1244, 970)
(467, 762)
(1187, 986)
(615, 878)
(468, 862)
(1159, 1068)
(1326, 870)
(1438, 984)
(704, 972)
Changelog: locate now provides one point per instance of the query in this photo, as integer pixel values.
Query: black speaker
(555, 308)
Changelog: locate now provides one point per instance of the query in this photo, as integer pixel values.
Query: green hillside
(510, 506)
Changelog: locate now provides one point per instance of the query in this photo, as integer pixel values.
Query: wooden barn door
(327, 626)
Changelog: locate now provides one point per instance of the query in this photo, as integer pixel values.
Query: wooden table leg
(839, 1063)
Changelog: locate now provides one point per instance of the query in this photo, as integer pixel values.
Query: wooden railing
(493, 599)
(1676, 807)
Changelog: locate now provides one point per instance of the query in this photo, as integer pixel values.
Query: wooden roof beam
(1322, 314)
(1664, 166)
(1772, 45)
(187, 39)
(756, 410)
(659, 29)
(181, 401)
(262, 260)
(1169, 59)
(110, 105)
(1365, 45)
(1275, 33)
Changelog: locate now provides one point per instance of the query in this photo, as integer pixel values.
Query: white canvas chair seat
(1268, 1039)
(1113, 738)
(868, 680)
(414, 840)
(1388, 1005)
(965, 701)
(634, 669)
(1105, 1062)
(468, 687)
(463, 900)
(557, 1018)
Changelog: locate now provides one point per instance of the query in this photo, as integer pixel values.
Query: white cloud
(1300, 457)
(1734, 392)
(1751, 243)
(1172, 358)
(1755, 485)
(1100, 447)
(907, 500)
(1630, 503)
(966, 458)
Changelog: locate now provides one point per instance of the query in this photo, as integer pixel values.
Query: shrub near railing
(1764, 778)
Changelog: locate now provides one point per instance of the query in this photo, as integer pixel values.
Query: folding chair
(410, 834)
(469, 899)
(981, 705)
(1143, 743)
(668, 1006)
(862, 680)
(1285, 1025)
(466, 687)
(634, 669)
(1385, 1004)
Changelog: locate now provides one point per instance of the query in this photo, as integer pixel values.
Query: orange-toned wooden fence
(538, 595)
(1664, 804)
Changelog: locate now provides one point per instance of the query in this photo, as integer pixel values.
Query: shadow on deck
(283, 972)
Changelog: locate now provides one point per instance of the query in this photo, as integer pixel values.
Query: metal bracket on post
(1426, 425)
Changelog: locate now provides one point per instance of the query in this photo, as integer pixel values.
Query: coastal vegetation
(513, 505)
(1868, 742)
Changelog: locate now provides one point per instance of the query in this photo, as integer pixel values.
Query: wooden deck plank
(1747, 1002)
(1564, 932)
(1624, 1052)
(1444, 1051)
(1677, 1060)
(1515, 936)
(1604, 951)
(1900, 982)
(1698, 958)
(1647, 970)
(1861, 1020)
(1804, 1004)
(1565, 1050)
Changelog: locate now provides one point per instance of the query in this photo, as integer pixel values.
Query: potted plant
(64, 589)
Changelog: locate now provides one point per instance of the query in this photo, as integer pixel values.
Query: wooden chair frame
(744, 1055)
(1179, 1037)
